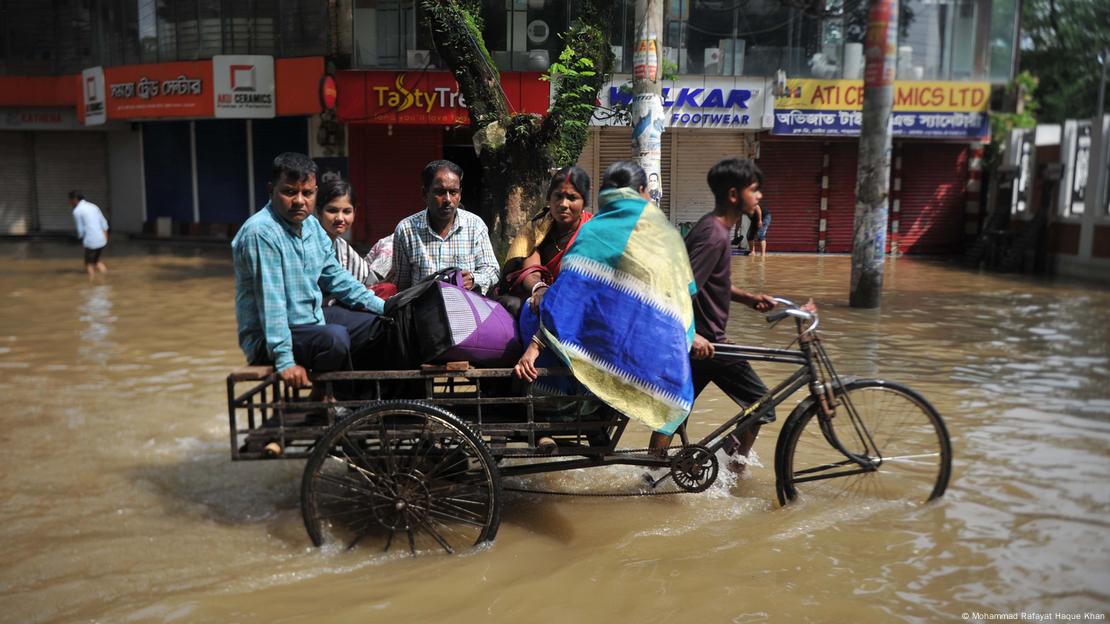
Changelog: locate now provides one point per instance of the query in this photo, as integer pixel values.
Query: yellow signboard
(920, 96)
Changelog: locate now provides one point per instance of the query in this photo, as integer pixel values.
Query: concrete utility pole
(647, 94)
(873, 177)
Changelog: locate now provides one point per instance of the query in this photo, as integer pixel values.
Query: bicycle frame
(811, 358)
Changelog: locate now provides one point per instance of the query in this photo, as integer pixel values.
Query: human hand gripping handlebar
(792, 309)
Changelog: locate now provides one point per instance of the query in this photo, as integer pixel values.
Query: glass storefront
(939, 39)
(65, 36)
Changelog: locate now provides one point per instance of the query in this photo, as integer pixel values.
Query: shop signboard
(243, 86)
(693, 102)
(926, 109)
(92, 96)
(425, 98)
(1080, 165)
(164, 90)
(39, 119)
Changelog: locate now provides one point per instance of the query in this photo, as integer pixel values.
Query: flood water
(120, 502)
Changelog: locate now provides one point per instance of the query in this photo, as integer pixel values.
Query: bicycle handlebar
(793, 309)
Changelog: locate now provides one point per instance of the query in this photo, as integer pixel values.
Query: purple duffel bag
(441, 321)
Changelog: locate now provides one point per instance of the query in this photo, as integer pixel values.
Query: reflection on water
(96, 316)
(120, 502)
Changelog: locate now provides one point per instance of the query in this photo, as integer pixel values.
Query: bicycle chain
(601, 494)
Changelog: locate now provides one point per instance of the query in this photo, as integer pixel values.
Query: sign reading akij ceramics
(243, 86)
(921, 109)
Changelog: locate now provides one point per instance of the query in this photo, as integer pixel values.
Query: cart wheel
(401, 474)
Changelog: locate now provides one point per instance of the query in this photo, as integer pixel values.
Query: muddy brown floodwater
(120, 502)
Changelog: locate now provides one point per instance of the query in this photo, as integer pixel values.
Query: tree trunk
(873, 177)
(519, 151)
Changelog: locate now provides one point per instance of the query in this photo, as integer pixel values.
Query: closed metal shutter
(934, 178)
(841, 215)
(587, 160)
(609, 144)
(385, 168)
(698, 151)
(17, 162)
(792, 193)
(65, 161)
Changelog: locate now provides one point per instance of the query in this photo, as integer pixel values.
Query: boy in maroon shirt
(735, 185)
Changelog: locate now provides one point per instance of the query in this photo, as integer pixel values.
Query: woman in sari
(621, 316)
(536, 253)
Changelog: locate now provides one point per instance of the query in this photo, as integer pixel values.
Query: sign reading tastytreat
(921, 108)
(426, 98)
(243, 86)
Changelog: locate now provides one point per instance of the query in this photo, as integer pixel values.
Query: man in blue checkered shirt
(444, 235)
(283, 258)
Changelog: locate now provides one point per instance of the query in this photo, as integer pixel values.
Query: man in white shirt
(92, 229)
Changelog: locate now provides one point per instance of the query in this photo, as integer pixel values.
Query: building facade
(202, 171)
(166, 113)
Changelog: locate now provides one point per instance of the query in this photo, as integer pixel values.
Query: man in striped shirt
(283, 258)
(444, 235)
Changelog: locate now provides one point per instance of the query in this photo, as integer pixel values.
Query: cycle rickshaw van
(427, 473)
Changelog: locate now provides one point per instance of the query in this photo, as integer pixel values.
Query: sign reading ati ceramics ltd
(243, 86)
(694, 102)
(162, 90)
(425, 98)
(921, 109)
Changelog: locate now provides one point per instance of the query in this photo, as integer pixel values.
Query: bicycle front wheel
(885, 442)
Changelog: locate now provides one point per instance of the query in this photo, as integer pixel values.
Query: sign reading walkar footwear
(243, 86)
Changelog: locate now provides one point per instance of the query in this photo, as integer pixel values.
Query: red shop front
(397, 122)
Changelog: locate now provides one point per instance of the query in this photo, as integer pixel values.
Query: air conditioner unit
(538, 32)
(712, 63)
(419, 59)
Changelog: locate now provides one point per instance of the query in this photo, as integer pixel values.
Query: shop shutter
(792, 193)
(222, 183)
(168, 173)
(934, 177)
(65, 161)
(697, 151)
(385, 170)
(609, 144)
(17, 163)
(841, 215)
(587, 160)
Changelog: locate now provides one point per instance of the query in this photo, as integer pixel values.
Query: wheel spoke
(348, 484)
(436, 536)
(447, 516)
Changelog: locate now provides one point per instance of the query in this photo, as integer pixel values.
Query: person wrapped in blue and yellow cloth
(620, 316)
